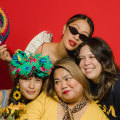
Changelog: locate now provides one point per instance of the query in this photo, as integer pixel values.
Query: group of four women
(71, 91)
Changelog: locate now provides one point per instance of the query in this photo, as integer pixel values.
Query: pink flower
(33, 60)
(18, 70)
(43, 69)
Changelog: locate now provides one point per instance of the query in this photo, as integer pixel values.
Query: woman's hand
(4, 54)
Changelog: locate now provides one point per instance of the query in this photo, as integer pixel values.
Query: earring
(17, 86)
(17, 93)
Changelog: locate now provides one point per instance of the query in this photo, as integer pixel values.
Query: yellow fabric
(45, 108)
(94, 113)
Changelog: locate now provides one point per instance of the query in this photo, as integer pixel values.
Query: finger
(3, 50)
(7, 56)
(2, 46)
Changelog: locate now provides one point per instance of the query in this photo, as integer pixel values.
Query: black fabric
(111, 104)
(93, 88)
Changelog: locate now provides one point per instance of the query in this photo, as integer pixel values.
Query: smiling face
(31, 87)
(71, 42)
(67, 88)
(89, 65)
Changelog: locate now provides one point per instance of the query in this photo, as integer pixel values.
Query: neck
(73, 104)
(61, 50)
(25, 101)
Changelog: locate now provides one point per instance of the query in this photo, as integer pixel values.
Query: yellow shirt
(45, 108)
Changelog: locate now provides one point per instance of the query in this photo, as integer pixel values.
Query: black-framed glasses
(82, 37)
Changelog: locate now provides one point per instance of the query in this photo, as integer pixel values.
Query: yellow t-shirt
(45, 108)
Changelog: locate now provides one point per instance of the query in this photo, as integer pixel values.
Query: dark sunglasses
(82, 37)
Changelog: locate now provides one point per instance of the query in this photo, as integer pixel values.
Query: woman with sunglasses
(76, 30)
(97, 62)
(68, 96)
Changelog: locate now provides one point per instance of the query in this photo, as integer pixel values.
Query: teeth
(88, 70)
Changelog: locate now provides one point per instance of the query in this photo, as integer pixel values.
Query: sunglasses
(82, 37)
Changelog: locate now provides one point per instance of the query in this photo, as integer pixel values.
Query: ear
(64, 28)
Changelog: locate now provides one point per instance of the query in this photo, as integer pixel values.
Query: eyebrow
(63, 77)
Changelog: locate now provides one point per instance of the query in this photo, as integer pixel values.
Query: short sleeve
(37, 41)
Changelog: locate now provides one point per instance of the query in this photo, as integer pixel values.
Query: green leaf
(10, 118)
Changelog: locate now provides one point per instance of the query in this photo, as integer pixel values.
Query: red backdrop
(29, 17)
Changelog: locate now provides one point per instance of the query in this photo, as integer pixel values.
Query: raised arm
(5, 56)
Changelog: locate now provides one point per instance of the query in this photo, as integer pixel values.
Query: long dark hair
(14, 89)
(110, 69)
(80, 17)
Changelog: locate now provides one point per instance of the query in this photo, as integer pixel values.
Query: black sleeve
(116, 95)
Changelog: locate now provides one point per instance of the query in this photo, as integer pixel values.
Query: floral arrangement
(12, 112)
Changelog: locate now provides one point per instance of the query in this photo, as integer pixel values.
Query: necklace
(69, 112)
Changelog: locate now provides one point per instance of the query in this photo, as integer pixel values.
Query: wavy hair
(110, 69)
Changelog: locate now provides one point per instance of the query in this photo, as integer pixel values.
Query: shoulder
(36, 109)
(94, 112)
(4, 93)
(116, 86)
(37, 41)
(96, 109)
(41, 100)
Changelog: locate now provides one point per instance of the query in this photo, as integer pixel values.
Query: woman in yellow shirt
(67, 96)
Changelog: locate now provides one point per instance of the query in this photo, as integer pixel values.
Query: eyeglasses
(82, 37)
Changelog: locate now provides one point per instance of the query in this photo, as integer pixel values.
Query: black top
(111, 104)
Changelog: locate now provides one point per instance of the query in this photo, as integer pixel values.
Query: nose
(64, 85)
(87, 61)
(76, 37)
(32, 83)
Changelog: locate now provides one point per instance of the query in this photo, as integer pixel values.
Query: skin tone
(68, 39)
(89, 64)
(70, 91)
(58, 50)
(30, 87)
(66, 87)
(4, 54)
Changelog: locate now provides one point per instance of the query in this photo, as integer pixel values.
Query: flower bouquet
(12, 112)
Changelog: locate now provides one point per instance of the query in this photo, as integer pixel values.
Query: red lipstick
(72, 43)
(67, 91)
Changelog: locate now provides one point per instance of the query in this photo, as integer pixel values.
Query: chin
(31, 98)
(68, 100)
